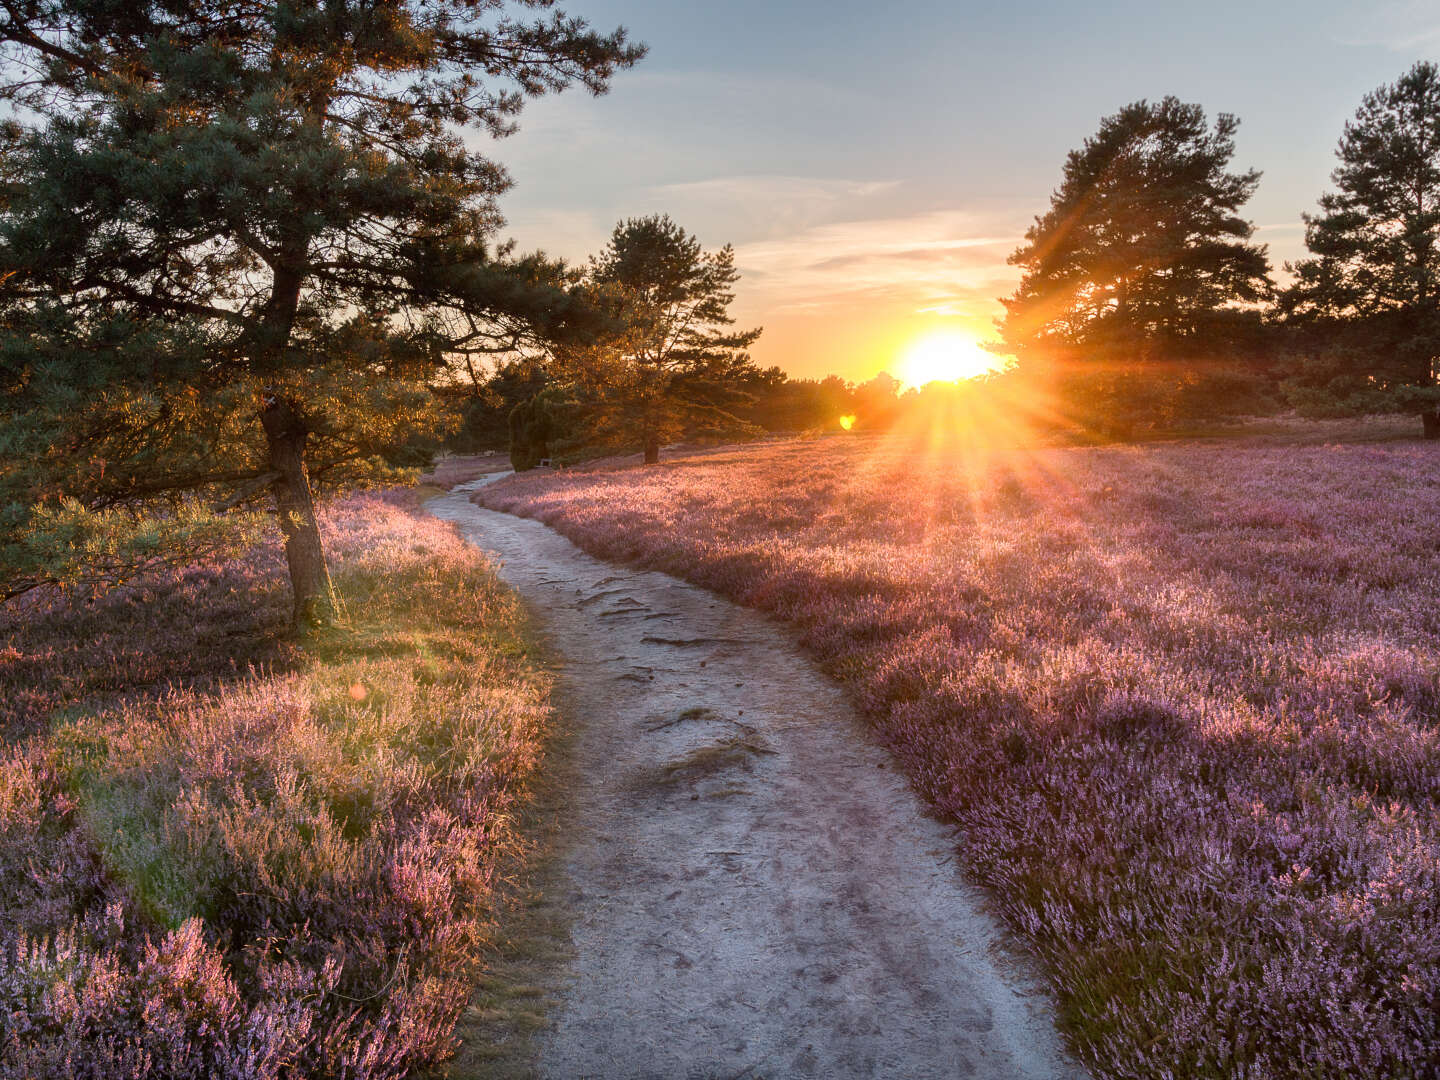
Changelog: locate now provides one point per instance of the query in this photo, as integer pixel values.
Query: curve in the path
(755, 892)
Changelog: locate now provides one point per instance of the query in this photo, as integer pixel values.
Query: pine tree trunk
(1431, 419)
(652, 449)
(285, 434)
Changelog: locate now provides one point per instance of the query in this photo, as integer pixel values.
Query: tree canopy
(239, 241)
(1142, 251)
(1373, 279)
(677, 365)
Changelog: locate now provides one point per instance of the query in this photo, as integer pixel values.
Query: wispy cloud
(1400, 25)
(754, 206)
(783, 188)
(942, 262)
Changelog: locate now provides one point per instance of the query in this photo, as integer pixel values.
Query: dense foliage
(1367, 301)
(676, 366)
(1142, 251)
(1141, 269)
(239, 242)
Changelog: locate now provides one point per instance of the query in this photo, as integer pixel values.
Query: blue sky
(873, 164)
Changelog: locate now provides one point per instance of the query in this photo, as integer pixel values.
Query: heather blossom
(1183, 702)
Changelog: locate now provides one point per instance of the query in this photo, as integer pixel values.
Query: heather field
(1183, 700)
(226, 855)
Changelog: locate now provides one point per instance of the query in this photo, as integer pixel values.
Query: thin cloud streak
(942, 262)
(769, 206)
(1401, 25)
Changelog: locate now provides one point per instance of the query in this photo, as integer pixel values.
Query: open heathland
(226, 853)
(1184, 701)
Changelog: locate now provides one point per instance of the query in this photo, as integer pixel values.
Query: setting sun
(944, 356)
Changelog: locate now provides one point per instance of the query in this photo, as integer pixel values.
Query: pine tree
(677, 366)
(240, 240)
(1372, 286)
(1142, 260)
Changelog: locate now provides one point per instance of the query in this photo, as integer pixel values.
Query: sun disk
(944, 356)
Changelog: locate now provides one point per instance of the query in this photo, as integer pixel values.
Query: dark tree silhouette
(1142, 258)
(677, 366)
(239, 241)
(1373, 280)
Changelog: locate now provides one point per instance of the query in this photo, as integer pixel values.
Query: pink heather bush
(222, 855)
(1184, 701)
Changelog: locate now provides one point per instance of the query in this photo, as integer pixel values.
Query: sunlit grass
(268, 871)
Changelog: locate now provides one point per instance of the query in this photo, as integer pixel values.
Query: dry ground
(754, 891)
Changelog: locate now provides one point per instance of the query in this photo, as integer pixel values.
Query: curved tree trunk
(285, 435)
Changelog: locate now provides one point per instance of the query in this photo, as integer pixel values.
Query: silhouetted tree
(785, 404)
(534, 425)
(487, 402)
(677, 366)
(877, 402)
(1369, 297)
(1142, 258)
(239, 242)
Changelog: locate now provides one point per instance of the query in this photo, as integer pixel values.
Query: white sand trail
(755, 892)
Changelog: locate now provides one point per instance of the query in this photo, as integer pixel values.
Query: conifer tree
(677, 366)
(1372, 283)
(1143, 260)
(238, 242)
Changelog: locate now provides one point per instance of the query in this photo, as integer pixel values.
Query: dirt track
(755, 893)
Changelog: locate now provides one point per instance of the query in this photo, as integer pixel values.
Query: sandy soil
(754, 891)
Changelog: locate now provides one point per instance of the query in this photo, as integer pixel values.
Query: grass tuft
(227, 853)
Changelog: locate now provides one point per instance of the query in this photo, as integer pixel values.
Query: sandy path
(755, 892)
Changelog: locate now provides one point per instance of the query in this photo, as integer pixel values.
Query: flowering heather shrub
(223, 855)
(1184, 701)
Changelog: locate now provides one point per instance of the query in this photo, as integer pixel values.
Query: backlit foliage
(213, 209)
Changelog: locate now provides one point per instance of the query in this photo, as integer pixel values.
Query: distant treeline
(779, 405)
(773, 402)
(1144, 305)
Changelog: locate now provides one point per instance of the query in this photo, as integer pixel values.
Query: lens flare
(847, 422)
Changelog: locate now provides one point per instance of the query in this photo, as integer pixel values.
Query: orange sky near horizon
(856, 345)
(843, 297)
(875, 167)
(851, 298)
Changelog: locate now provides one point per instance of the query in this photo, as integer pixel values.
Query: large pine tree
(1143, 255)
(1370, 293)
(239, 240)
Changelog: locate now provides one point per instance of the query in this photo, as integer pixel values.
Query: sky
(873, 164)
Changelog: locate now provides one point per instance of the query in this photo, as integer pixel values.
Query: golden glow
(847, 422)
(945, 356)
